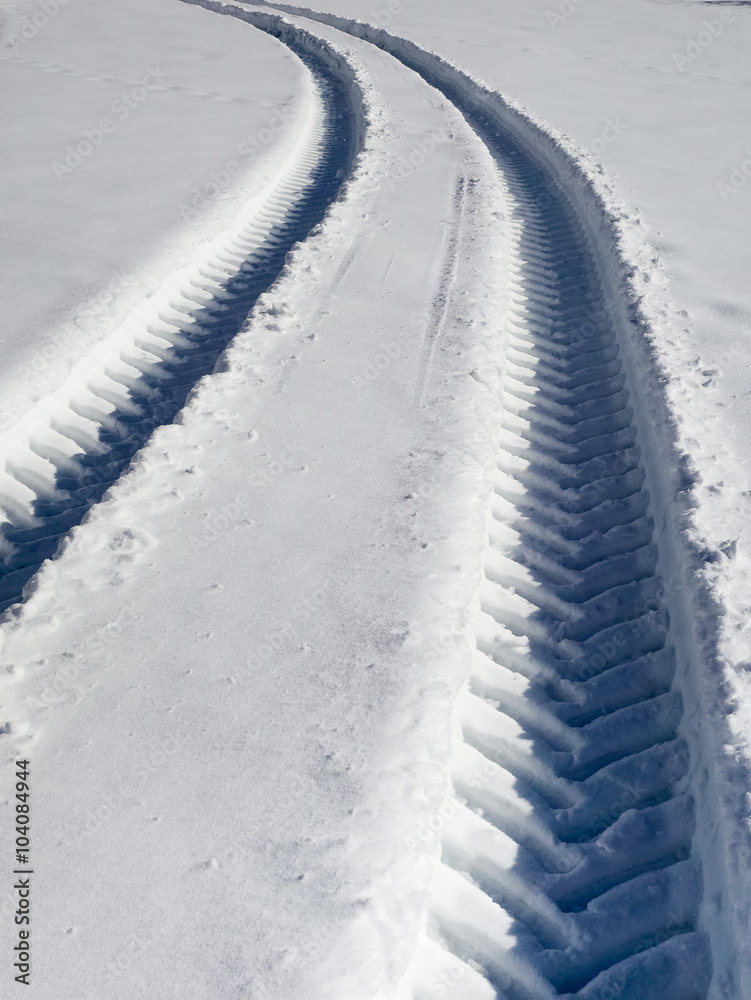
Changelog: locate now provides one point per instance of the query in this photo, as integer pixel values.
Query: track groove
(64, 458)
(568, 869)
(588, 745)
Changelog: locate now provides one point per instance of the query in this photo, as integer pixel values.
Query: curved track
(568, 866)
(76, 444)
(577, 837)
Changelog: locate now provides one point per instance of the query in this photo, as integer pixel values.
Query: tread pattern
(567, 868)
(83, 441)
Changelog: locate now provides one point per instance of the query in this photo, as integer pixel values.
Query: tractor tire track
(569, 869)
(578, 841)
(75, 444)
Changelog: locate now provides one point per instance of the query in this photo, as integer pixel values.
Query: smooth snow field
(374, 500)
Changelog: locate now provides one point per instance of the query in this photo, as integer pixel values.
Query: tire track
(577, 842)
(77, 443)
(568, 867)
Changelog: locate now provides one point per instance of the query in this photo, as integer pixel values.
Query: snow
(81, 248)
(248, 680)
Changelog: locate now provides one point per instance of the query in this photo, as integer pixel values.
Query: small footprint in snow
(129, 544)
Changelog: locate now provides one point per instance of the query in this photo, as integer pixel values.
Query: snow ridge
(77, 442)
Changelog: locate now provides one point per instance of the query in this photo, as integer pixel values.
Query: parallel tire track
(567, 868)
(80, 441)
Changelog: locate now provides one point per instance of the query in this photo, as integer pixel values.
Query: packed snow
(375, 500)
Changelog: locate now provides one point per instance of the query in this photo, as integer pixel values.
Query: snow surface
(236, 683)
(81, 247)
